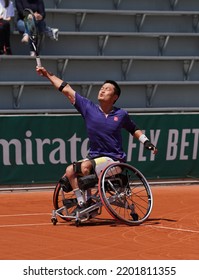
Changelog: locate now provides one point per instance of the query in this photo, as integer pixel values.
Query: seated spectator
(38, 8)
(6, 13)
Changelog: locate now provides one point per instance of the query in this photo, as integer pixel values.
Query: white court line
(158, 227)
(21, 215)
(41, 224)
(174, 229)
(25, 225)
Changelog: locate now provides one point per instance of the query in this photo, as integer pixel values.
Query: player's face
(107, 93)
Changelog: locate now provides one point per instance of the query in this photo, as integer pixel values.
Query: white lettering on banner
(73, 147)
(28, 142)
(172, 144)
(195, 143)
(60, 151)
(6, 151)
(181, 145)
(141, 156)
(184, 144)
(84, 148)
(175, 143)
(57, 155)
(40, 149)
(131, 146)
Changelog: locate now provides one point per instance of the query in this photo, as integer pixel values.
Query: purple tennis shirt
(104, 132)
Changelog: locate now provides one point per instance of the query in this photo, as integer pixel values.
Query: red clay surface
(170, 233)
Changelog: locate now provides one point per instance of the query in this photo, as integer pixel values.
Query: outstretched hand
(41, 71)
(149, 146)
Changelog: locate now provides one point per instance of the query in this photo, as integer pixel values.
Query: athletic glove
(149, 146)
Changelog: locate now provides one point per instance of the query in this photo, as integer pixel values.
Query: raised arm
(58, 83)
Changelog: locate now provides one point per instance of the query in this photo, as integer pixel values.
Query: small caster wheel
(134, 216)
(54, 221)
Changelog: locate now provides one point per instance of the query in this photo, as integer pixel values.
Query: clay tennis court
(171, 232)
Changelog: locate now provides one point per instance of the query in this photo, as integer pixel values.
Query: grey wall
(150, 47)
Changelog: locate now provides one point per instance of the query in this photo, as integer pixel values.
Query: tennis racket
(31, 28)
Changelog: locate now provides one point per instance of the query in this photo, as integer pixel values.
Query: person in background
(6, 14)
(38, 8)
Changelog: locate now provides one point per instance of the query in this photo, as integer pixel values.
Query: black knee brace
(77, 167)
(65, 184)
(87, 182)
(78, 170)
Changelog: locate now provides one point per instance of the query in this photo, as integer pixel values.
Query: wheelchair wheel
(125, 193)
(64, 202)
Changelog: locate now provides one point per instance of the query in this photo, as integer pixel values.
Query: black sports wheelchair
(121, 189)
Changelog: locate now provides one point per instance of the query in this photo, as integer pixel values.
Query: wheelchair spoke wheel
(64, 202)
(125, 193)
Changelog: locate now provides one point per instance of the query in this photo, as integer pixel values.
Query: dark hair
(116, 86)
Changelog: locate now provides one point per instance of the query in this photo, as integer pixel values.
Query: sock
(79, 196)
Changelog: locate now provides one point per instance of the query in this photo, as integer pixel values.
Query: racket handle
(38, 60)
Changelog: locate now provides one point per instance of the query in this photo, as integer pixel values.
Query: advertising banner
(38, 148)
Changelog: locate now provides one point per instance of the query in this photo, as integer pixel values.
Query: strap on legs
(65, 184)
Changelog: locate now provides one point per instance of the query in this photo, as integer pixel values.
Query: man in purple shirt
(104, 123)
(104, 129)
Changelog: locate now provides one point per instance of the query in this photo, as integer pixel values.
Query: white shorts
(100, 163)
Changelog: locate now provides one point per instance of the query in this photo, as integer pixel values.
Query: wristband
(63, 84)
(143, 138)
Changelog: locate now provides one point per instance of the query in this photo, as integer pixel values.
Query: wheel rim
(63, 201)
(133, 203)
